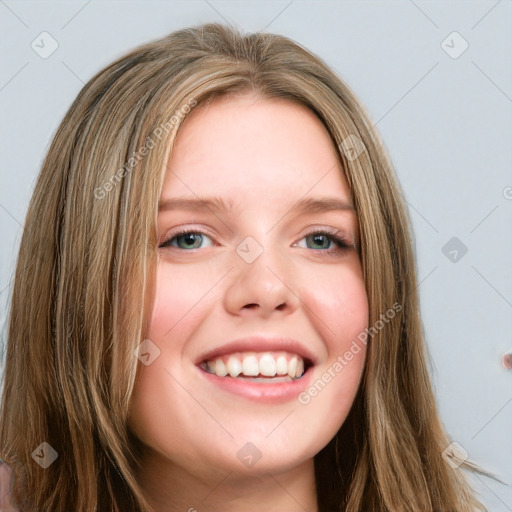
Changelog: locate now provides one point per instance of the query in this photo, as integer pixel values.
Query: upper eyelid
(192, 229)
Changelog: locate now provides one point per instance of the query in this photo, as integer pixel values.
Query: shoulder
(6, 483)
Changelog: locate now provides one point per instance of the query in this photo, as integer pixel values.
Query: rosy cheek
(342, 301)
(177, 293)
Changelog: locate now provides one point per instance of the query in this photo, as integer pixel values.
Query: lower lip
(266, 392)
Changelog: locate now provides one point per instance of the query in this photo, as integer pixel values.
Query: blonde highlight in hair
(86, 264)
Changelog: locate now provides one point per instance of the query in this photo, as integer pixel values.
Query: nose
(261, 286)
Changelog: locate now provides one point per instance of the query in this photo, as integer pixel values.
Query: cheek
(339, 309)
(338, 298)
(180, 294)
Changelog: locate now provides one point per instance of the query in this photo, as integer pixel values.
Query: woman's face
(253, 287)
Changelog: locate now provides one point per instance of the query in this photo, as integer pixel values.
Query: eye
(336, 244)
(330, 243)
(185, 239)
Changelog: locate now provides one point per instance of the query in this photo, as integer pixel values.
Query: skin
(265, 155)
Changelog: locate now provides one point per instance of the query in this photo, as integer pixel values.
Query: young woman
(215, 305)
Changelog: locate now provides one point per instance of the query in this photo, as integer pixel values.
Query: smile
(263, 367)
(269, 377)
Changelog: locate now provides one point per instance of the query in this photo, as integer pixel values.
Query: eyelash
(341, 244)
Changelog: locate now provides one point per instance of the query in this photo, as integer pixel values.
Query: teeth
(267, 366)
(292, 367)
(281, 365)
(220, 368)
(277, 365)
(300, 368)
(234, 366)
(250, 366)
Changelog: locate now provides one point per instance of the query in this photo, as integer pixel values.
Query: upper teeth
(252, 364)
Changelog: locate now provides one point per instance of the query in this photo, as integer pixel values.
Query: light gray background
(446, 122)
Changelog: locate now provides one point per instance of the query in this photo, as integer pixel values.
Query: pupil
(317, 237)
(189, 238)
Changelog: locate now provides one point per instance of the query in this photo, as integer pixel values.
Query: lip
(261, 344)
(268, 393)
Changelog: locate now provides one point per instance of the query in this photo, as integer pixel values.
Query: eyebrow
(218, 204)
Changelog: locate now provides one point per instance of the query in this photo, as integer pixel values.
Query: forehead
(236, 146)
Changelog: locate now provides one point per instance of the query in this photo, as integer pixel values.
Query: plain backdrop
(436, 79)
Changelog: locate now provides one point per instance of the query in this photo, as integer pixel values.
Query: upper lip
(260, 344)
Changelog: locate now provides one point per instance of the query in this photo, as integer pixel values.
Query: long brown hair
(86, 262)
